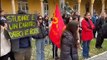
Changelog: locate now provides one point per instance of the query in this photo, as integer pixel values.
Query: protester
(46, 23)
(40, 39)
(100, 22)
(76, 19)
(94, 20)
(24, 49)
(5, 44)
(69, 42)
(54, 47)
(87, 34)
(21, 46)
(3, 18)
(65, 18)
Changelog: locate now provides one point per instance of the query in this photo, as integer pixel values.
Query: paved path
(102, 56)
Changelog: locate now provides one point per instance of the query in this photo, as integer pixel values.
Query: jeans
(40, 44)
(86, 49)
(47, 40)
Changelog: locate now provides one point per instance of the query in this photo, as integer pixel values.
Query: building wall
(106, 6)
(98, 6)
(16, 6)
(34, 6)
(52, 5)
(6, 6)
(82, 7)
(71, 3)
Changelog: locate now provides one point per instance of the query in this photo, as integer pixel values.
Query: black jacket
(104, 30)
(42, 33)
(6, 34)
(99, 23)
(68, 49)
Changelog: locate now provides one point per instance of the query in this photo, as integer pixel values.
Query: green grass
(93, 50)
(48, 50)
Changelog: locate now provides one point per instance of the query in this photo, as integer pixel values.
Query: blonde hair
(103, 14)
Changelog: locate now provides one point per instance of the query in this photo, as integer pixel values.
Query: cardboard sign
(21, 25)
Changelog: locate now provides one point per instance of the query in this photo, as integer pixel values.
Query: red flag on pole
(57, 27)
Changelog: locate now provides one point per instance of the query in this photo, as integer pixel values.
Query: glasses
(40, 19)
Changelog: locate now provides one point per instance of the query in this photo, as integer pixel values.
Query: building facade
(48, 6)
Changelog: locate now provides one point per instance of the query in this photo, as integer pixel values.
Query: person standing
(40, 39)
(3, 18)
(76, 19)
(5, 44)
(21, 46)
(94, 19)
(100, 22)
(54, 47)
(69, 42)
(23, 52)
(46, 25)
(87, 34)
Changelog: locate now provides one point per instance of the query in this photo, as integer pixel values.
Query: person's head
(103, 15)
(40, 19)
(76, 13)
(70, 19)
(72, 26)
(2, 24)
(46, 17)
(88, 15)
(75, 18)
(72, 13)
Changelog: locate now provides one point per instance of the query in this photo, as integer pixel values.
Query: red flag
(57, 27)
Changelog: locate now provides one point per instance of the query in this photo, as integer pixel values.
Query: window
(46, 8)
(75, 7)
(23, 6)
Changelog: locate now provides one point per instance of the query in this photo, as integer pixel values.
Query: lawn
(93, 50)
(48, 50)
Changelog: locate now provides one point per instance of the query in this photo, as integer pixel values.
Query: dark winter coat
(68, 48)
(42, 33)
(99, 23)
(69, 42)
(104, 30)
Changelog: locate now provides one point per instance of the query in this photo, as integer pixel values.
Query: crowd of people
(78, 32)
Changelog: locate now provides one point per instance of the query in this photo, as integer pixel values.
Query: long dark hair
(72, 27)
(2, 23)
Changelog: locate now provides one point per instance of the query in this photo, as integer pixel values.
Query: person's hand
(47, 27)
(79, 45)
(6, 26)
(89, 27)
(2, 27)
